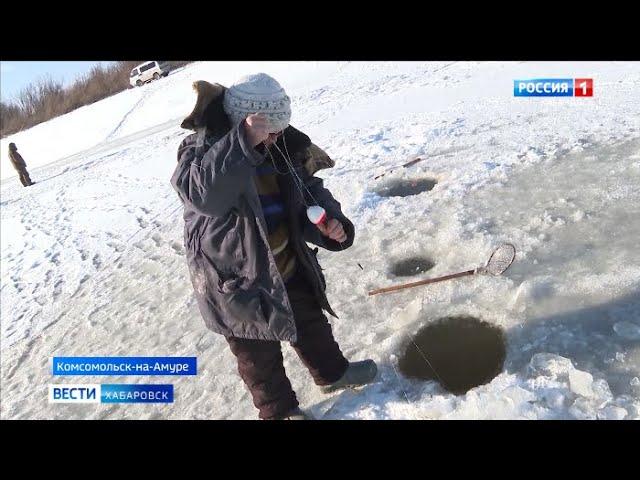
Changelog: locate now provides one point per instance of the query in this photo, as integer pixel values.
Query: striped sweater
(276, 218)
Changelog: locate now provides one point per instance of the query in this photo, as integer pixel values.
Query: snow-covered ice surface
(92, 260)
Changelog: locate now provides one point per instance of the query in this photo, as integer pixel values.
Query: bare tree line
(46, 98)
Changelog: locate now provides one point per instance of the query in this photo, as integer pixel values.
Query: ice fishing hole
(465, 352)
(405, 187)
(411, 266)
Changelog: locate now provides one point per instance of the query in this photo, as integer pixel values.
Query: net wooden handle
(421, 282)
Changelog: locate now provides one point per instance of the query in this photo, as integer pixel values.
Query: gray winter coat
(239, 290)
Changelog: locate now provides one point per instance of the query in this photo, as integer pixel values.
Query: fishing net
(501, 259)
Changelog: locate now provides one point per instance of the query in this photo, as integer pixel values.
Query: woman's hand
(257, 128)
(333, 229)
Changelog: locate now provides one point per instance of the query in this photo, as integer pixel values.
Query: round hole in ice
(411, 266)
(405, 187)
(465, 352)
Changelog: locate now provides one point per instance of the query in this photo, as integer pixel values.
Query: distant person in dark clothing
(20, 165)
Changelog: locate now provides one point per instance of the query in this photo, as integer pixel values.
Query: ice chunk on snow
(554, 398)
(531, 291)
(406, 314)
(550, 365)
(577, 215)
(634, 411)
(582, 409)
(612, 413)
(580, 383)
(601, 390)
(628, 330)
(635, 381)
(517, 395)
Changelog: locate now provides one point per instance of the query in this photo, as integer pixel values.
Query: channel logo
(110, 393)
(74, 393)
(553, 87)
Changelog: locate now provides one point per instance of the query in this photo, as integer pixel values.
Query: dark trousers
(260, 362)
(24, 177)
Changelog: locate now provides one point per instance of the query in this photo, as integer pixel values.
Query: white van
(148, 71)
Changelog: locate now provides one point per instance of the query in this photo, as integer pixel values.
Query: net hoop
(500, 260)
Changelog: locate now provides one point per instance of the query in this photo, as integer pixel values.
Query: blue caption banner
(125, 366)
(543, 87)
(123, 393)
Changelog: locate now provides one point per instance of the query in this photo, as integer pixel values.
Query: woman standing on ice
(245, 189)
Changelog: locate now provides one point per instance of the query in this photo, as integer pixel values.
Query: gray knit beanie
(258, 93)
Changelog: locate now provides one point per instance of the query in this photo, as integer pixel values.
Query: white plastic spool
(316, 214)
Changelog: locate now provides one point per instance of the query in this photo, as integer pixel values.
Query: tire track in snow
(141, 100)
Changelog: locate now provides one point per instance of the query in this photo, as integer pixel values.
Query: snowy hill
(92, 261)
